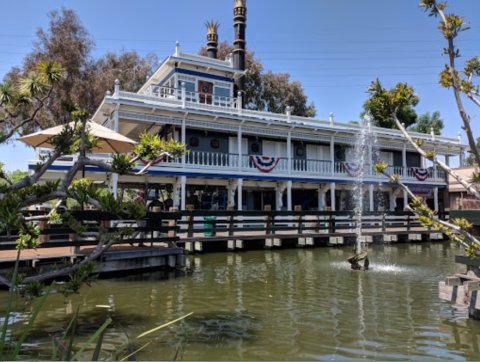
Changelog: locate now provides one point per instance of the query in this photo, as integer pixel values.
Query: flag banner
(265, 164)
(145, 162)
(420, 173)
(353, 169)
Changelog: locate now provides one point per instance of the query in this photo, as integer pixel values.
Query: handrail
(231, 107)
(202, 59)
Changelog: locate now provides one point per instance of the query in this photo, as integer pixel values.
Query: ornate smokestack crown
(212, 38)
(240, 3)
(240, 8)
(212, 30)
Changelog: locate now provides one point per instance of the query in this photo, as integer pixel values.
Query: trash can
(210, 225)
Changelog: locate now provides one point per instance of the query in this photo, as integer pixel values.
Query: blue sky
(335, 48)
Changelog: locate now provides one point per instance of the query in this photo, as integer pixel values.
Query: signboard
(420, 191)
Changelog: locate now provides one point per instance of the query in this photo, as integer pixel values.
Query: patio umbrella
(109, 141)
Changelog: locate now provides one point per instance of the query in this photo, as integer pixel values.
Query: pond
(297, 304)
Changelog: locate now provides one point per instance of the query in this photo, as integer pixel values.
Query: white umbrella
(109, 141)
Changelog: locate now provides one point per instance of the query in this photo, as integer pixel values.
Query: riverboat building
(246, 158)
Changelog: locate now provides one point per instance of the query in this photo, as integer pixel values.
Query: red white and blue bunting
(421, 173)
(145, 162)
(265, 164)
(353, 169)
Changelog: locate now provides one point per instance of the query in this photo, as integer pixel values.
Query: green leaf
(14, 354)
(96, 334)
(98, 348)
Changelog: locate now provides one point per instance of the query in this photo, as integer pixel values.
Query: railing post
(172, 233)
(116, 95)
(189, 219)
(239, 103)
(267, 218)
(289, 113)
(231, 221)
(44, 225)
(298, 218)
(155, 233)
(177, 49)
(184, 95)
(407, 217)
(331, 119)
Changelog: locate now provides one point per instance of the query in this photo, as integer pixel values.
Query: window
(194, 142)
(190, 88)
(215, 144)
(222, 97)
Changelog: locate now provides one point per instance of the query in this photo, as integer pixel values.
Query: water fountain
(361, 156)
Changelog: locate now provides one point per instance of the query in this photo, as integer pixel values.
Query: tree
(12, 176)
(406, 114)
(426, 122)
(69, 43)
(470, 160)
(15, 194)
(389, 103)
(268, 91)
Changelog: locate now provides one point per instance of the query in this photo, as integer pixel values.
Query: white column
(393, 198)
(370, 192)
(404, 160)
(332, 195)
(114, 185)
(115, 121)
(447, 160)
(405, 199)
(370, 161)
(176, 192)
(184, 141)
(321, 196)
(232, 187)
(239, 194)
(289, 195)
(332, 155)
(184, 96)
(183, 191)
(461, 158)
(289, 152)
(435, 198)
(240, 156)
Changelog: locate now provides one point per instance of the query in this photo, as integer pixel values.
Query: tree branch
(99, 250)
(441, 222)
(456, 88)
(470, 188)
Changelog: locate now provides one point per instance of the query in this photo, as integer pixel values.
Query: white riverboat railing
(178, 97)
(201, 160)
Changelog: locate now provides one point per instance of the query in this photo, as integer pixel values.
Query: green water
(301, 304)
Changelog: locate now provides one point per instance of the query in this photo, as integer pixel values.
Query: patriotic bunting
(421, 173)
(265, 164)
(145, 162)
(353, 169)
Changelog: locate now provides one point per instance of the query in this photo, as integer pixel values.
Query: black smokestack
(239, 18)
(212, 38)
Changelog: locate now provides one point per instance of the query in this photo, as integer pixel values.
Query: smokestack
(239, 18)
(212, 38)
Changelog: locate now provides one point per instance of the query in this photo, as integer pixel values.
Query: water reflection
(291, 304)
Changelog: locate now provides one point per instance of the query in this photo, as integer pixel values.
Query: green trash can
(210, 225)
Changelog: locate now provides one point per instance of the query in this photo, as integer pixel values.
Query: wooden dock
(171, 235)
